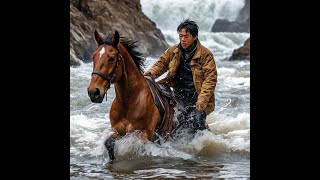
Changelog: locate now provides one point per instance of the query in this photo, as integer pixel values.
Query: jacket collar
(196, 54)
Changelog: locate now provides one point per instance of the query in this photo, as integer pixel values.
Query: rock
(241, 24)
(223, 25)
(106, 16)
(242, 53)
(74, 61)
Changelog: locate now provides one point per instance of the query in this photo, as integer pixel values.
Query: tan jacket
(203, 69)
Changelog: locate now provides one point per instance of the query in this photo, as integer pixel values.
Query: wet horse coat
(133, 108)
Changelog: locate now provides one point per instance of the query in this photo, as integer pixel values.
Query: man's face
(186, 39)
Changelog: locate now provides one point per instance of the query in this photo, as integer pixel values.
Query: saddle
(163, 98)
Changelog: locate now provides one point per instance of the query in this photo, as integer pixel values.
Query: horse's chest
(129, 119)
(123, 125)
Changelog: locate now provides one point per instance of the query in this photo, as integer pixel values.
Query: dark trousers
(188, 115)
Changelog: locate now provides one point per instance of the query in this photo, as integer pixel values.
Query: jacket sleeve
(210, 79)
(161, 66)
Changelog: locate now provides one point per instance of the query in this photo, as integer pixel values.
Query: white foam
(167, 14)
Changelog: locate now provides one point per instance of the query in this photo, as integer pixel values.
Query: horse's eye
(111, 59)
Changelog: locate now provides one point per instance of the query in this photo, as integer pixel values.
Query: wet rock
(242, 53)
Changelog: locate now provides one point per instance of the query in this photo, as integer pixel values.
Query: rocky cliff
(106, 16)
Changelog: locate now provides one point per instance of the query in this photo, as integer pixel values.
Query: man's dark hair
(190, 26)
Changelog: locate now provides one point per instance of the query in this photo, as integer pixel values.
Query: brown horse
(133, 108)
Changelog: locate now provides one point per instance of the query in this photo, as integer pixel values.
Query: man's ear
(195, 37)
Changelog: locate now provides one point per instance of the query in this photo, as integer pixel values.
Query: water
(222, 153)
(168, 13)
(153, 168)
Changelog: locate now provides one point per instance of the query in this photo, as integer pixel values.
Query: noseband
(112, 75)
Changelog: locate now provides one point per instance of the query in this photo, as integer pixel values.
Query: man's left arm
(209, 84)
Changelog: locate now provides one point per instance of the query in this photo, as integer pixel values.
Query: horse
(115, 61)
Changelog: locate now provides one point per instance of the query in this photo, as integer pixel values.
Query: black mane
(137, 56)
(130, 45)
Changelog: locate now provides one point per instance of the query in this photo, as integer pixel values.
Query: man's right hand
(200, 106)
(147, 74)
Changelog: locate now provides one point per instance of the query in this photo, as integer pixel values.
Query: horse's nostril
(96, 92)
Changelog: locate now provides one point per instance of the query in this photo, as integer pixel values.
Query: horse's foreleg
(109, 143)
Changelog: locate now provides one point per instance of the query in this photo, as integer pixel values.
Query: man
(192, 74)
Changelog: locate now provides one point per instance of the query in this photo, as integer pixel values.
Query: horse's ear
(97, 36)
(116, 38)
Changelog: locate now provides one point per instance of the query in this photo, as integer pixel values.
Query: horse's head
(106, 66)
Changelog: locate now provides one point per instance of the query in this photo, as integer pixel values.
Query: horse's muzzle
(95, 95)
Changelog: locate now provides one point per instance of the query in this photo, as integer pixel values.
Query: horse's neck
(132, 81)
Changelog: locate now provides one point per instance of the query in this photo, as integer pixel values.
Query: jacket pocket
(198, 73)
(197, 76)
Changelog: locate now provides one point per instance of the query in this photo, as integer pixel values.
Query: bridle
(112, 75)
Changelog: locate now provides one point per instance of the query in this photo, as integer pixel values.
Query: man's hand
(200, 106)
(147, 74)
